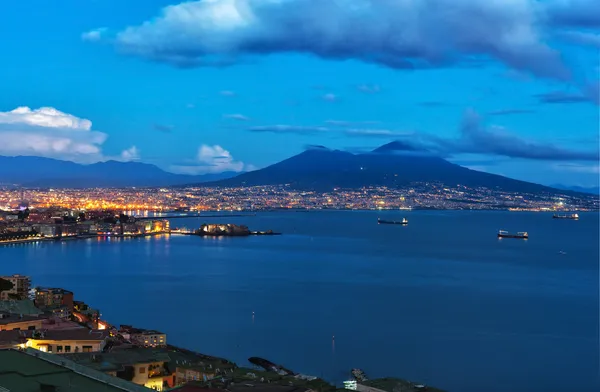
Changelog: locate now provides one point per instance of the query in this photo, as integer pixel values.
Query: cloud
(342, 123)
(227, 93)
(477, 139)
(238, 117)
(397, 34)
(340, 129)
(131, 154)
(212, 159)
(163, 128)
(94, 35)
(330, 97)
(298, 129)
(368, 89)
(579, 168)
(51, 133)
(376, 133)
(581, 38)
(506, 112)
(574, 13)
(563, 97)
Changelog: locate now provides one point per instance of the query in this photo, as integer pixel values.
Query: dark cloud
(343, 123)
(574, 13)
(563, 97)
(297, 129)
(395, 34)
(338, 130)
(476, 139)
(581, 38)
(376, 133)
(506, 112)
(315, 147)
(163, 128)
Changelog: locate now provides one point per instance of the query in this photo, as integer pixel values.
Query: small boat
(505, 234)
(566, 216)
(380, 221)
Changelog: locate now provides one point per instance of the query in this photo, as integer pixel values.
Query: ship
(380, 221)
(505, 234)
(566, 216)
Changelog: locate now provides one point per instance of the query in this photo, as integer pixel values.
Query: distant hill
(394, 164)
(590, 190)
(45, 172)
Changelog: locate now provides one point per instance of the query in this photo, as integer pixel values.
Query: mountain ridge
(32, 171)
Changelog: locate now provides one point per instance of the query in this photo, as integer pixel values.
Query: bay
(440, 301)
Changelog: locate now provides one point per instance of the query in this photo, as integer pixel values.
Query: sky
(505, 86)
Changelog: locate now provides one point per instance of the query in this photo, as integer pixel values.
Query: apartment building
(20, 289)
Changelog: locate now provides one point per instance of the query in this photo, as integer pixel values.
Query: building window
(49, 348)
(16, 329)
(142, 370)
(87, 349)
(67, 349)
(31, 327)
(59, 349)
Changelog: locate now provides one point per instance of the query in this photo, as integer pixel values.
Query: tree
(5, 285)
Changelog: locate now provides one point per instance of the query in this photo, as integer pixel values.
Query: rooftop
(34, 371)
(81, 334)
(116, 359)
(9, 318)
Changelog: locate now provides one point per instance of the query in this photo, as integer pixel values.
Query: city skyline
(224, 85)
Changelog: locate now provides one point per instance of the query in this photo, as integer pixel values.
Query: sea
(441, 301)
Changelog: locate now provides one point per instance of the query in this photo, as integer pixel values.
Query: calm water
(441, 301)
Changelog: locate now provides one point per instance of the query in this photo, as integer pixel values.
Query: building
(185, 374)
(146, 367)
(19, 290)
(11, 321)
(53, 298)
(56, 341)
(31, 370)
(143, 337)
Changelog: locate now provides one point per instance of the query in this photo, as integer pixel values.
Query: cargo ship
(380, 221)
(505, 234)
(565, 216)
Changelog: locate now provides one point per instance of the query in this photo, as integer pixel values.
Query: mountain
(580, 189)
(392, 165)
(45, 172)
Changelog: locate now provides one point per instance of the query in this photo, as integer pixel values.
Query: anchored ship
(380, 221)
(566, 216)
(506, 234)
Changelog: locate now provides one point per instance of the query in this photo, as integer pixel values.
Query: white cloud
(94, 35)
(330, 97)
(227, 93)
(238, 117)
(131, 154)
(48, 132)
(212, 159)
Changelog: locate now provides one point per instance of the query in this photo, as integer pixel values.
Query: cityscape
(300, 196)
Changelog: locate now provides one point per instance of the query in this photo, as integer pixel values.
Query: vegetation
(5, 285)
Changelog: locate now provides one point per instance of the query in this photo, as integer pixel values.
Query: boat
(566, 216)
(380, 221)
(505, 234)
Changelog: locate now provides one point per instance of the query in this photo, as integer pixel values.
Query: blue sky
(509, 87)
